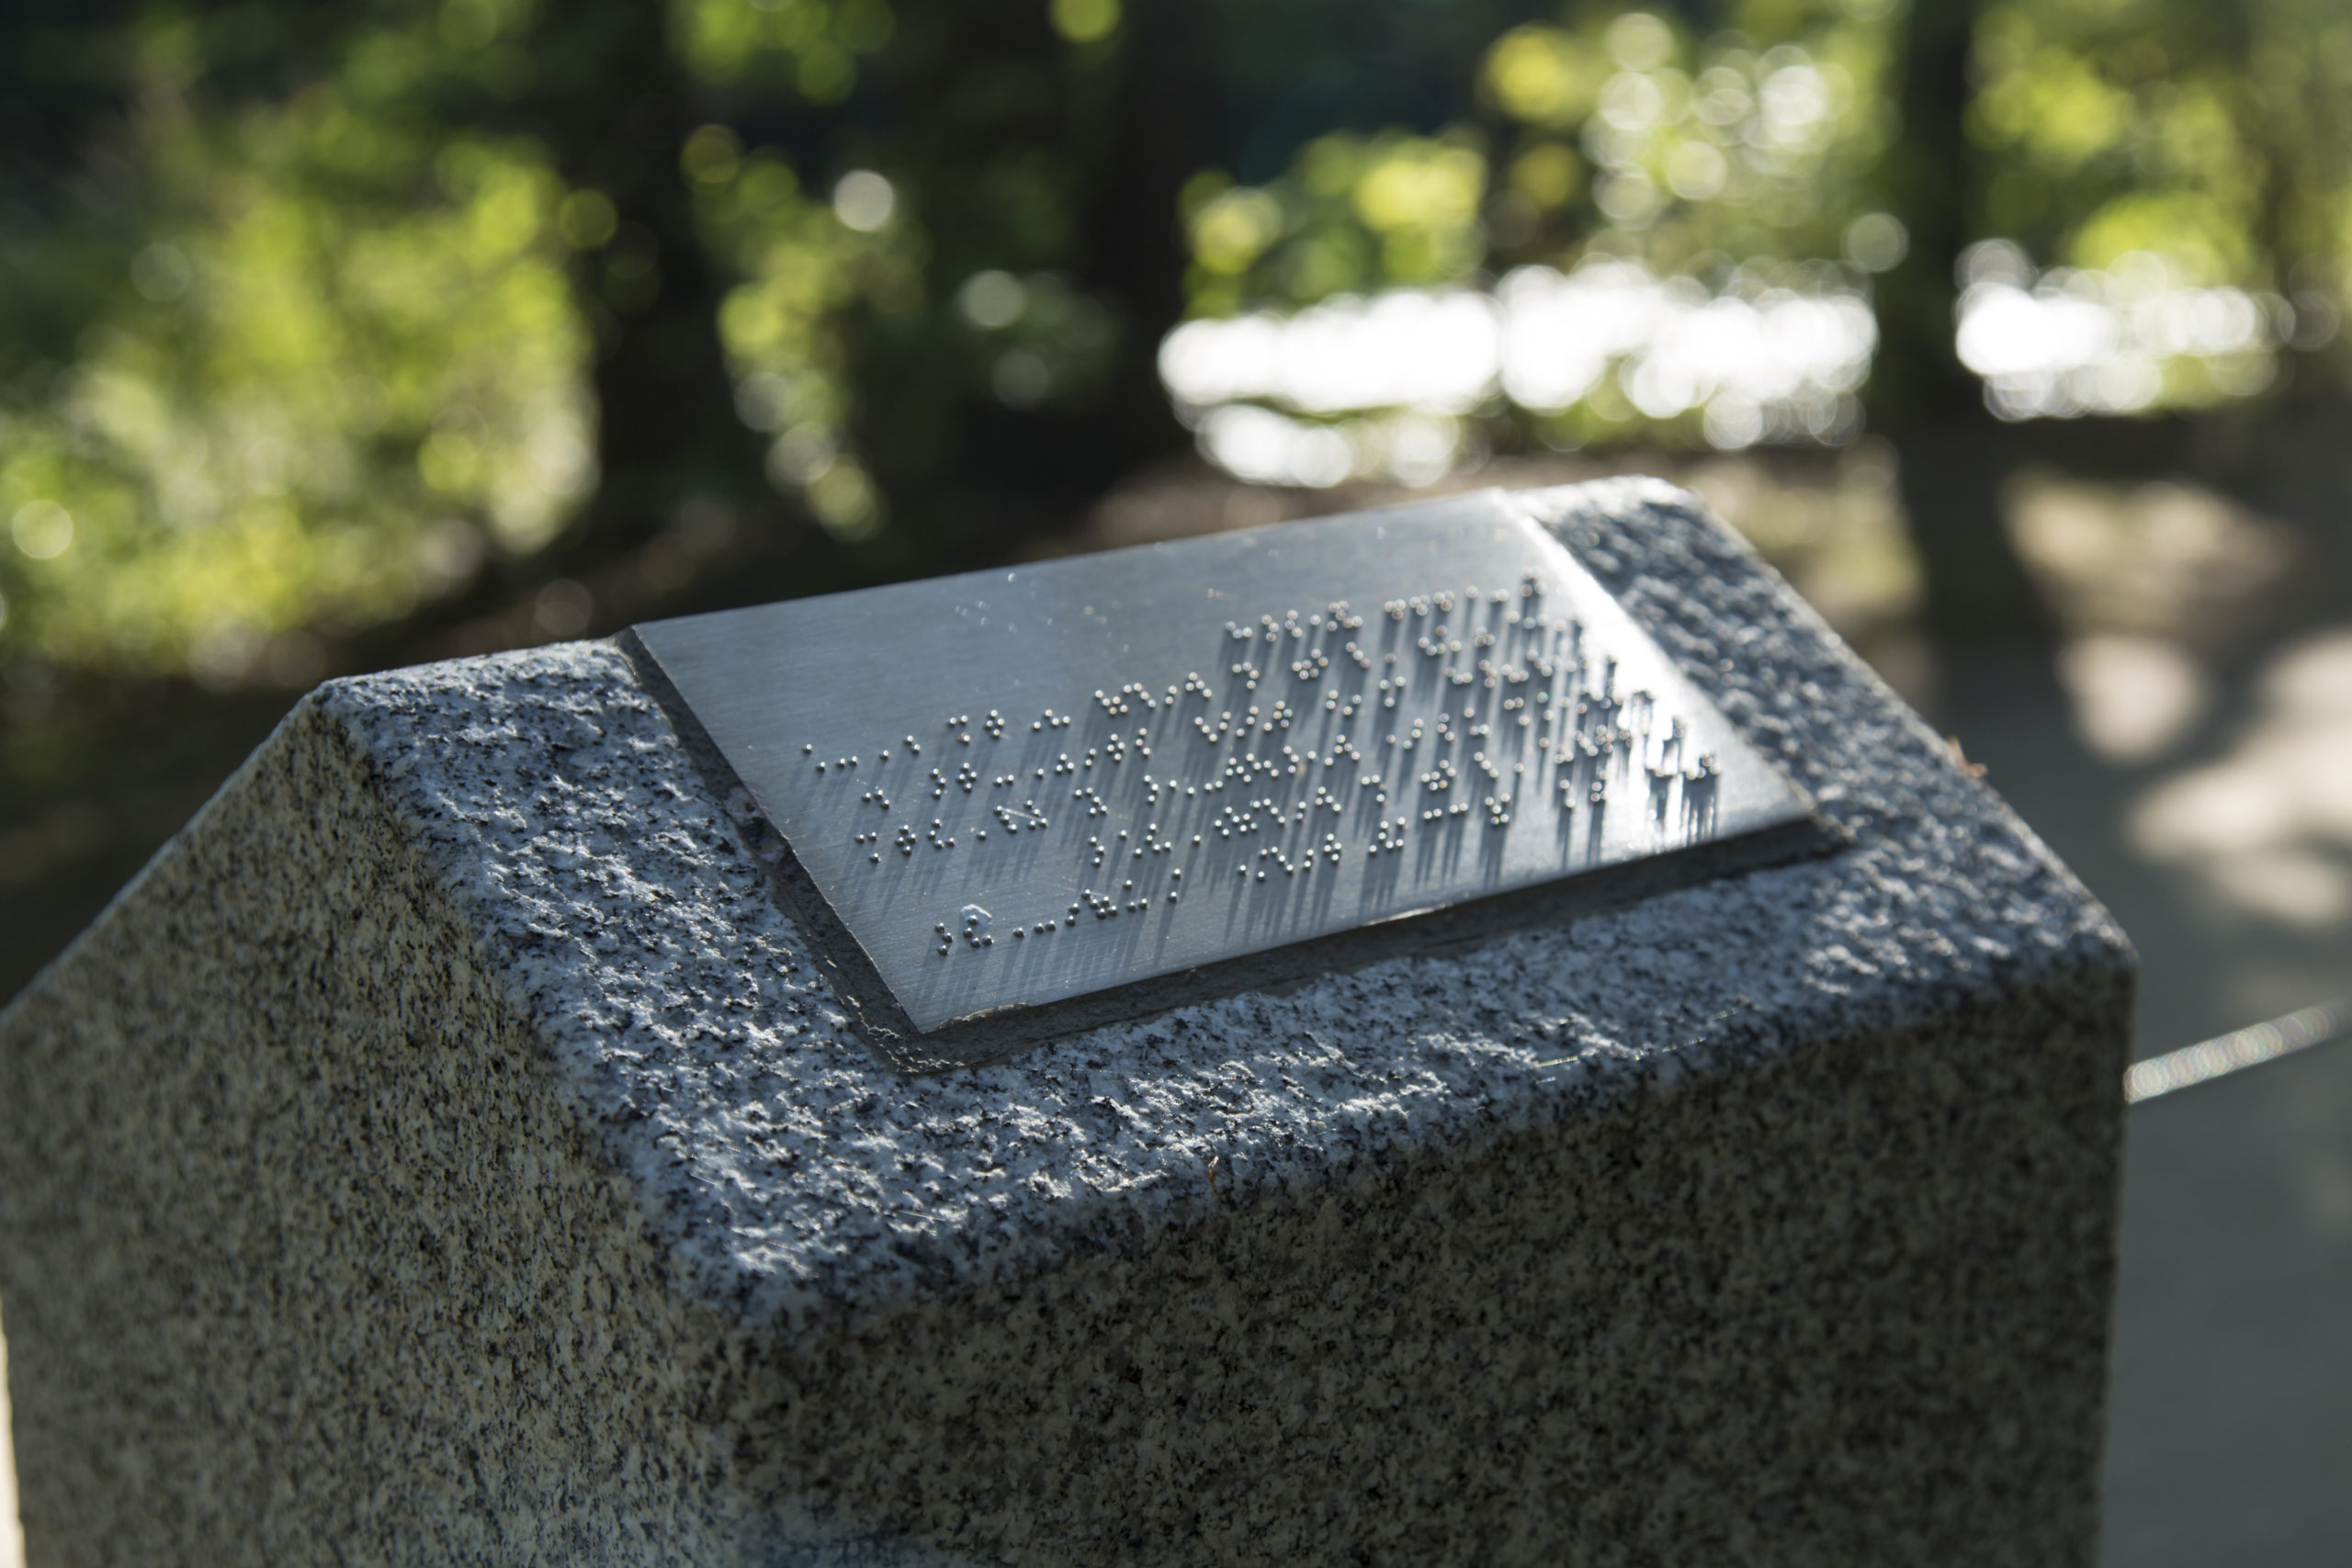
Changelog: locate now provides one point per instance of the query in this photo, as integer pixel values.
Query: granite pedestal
(446, 1152)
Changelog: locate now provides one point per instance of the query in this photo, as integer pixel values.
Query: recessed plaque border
(878, 1017)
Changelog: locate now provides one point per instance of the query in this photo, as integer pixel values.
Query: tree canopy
(312, 317)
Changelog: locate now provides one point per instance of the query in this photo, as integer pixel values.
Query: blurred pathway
(2230, 1427)
(2230, 1430)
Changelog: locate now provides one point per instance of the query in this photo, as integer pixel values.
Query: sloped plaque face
(1012, 789)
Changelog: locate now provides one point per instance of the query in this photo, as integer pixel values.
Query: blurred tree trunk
(1954, 453)
(667, 427)
(1167, 132)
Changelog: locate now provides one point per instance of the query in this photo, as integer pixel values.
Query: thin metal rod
(2248, 1047)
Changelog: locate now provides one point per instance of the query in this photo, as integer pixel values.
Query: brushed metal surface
(1015, 787)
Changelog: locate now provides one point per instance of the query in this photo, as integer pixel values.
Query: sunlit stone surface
(446, 1150)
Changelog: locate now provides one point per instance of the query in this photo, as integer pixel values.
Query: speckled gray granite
(444, 1153)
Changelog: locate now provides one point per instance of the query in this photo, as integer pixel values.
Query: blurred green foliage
(805, 47)
(1709, 152)
(1622, 133)
(1759, 138)
(2186, 145)
(1354, 213)
(313, 316)
(342, 357)
(801, 266)
(323, 313)
(2218, 137)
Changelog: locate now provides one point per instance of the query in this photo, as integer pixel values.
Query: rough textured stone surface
(444, 1152)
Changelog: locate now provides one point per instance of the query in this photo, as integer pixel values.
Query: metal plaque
(1007, 789)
